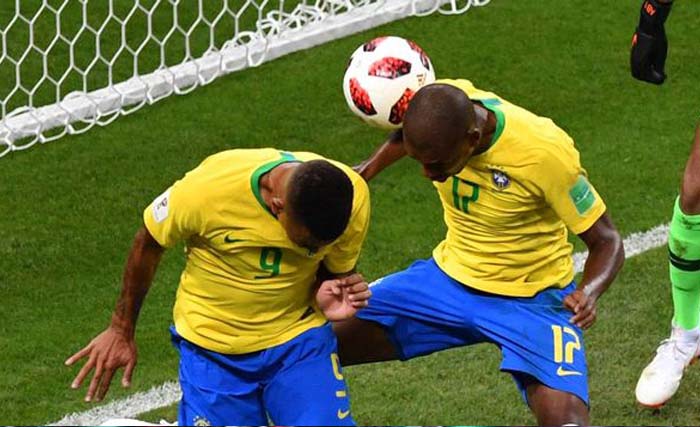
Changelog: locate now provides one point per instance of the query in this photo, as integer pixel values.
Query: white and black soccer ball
(382, 77)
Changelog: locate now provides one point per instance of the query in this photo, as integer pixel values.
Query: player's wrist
(590, 291)
(653, 16)
(122, 326)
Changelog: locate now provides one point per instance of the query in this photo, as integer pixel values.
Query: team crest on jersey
(500, 180)
(201, 422)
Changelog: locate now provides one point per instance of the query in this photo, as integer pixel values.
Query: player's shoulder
(468, 87)
(539, 135)
(544, 153)
(547, 159)
(221, 171)
(235, 165)
(241, 157)
(460, 83)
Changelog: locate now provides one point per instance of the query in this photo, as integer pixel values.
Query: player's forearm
(601, 268)
(606, 255)
(388, 153)
(138, 274)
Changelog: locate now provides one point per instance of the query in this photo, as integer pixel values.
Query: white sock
(686, 335)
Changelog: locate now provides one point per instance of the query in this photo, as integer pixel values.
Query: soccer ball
(381, 78)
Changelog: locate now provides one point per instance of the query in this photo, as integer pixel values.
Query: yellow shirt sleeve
(343, 256)
(567, 190)
(175, 215)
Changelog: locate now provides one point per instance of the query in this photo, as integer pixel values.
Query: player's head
(439, 130)
(318, 204)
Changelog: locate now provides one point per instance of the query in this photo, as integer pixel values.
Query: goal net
(68, 65)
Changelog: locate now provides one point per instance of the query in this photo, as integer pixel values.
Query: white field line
(163, 395)
(169, 392)
(635, 244)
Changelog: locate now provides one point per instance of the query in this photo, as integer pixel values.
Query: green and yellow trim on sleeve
(262, 170)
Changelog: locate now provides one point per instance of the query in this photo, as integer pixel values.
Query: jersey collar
(492, 104)
(286, 157)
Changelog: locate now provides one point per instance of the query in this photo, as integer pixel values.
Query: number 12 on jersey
(462, 202)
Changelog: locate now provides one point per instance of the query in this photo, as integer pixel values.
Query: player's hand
(340, 299)
(583, 306)
(649, 43)
(648, 57)
(108, 352)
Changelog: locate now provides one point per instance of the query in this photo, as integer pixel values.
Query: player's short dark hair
(320, 197)
(438, 114)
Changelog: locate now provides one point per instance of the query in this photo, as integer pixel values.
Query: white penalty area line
(139, 403)
(170, 393)
(635, 244)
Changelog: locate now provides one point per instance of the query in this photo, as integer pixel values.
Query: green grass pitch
(68, 210)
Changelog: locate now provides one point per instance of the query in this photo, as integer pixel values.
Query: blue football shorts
(424, 310)
(299, 382)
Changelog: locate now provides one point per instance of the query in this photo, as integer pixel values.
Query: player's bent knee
(555, 407)
(571, 415)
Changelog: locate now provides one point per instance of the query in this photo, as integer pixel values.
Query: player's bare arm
(116, 346)
(605, 257)
(340, 296)
(388, 153)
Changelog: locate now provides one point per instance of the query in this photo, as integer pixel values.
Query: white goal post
(67, 65)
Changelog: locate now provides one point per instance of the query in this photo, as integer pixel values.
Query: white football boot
(660, 379)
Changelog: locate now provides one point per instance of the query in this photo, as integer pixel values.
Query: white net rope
(68, 65)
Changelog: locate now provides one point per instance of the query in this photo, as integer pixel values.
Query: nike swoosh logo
(564, 373)
(227, 239)
(343, 414)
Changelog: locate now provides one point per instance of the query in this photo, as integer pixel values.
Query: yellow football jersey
(246, 286)
(508, 210)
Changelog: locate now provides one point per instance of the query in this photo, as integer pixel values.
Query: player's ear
(473, 136)
(277, 205)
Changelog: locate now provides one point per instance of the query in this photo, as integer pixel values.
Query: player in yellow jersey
(272, 239)
(511, 184)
